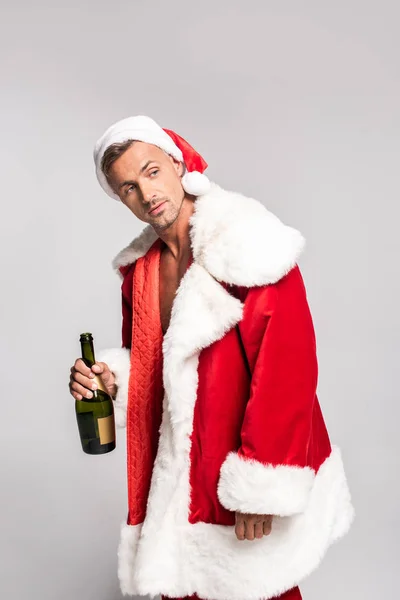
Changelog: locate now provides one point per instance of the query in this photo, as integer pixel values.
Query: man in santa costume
(234, 489)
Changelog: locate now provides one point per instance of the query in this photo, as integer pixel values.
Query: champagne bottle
(95, 415)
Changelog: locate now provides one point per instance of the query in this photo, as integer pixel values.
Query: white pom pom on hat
(144, 129)
(195, 183)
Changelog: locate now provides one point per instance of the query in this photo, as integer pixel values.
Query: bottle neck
(88, 353)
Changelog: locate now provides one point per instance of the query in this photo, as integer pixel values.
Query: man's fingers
(81, 380)
(81, 367)
(249, 525)
(267, 525)
(86, 382)
(239, 527)
(81, 383)
(80, 390)
(258, 529)
(254, 526)
(103, 370)
(99, 367)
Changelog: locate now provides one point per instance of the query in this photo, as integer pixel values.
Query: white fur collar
(234, 237)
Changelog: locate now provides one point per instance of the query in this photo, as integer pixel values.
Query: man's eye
(131, 187)
(154, 172)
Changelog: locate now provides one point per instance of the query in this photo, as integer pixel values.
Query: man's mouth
(156, 208)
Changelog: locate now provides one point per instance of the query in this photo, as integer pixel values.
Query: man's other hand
(249, 526)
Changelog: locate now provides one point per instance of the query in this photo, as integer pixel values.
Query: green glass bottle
(95, 415)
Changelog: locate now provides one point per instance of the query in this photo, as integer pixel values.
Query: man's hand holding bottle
(81, 379)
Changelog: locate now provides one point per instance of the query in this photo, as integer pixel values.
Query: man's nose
(148, 193)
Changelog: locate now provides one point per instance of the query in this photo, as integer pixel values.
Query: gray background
(295, 103)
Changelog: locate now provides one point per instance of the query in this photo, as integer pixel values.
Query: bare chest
(171, 273)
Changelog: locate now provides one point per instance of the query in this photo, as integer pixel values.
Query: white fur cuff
(249, 486)
(118, 360)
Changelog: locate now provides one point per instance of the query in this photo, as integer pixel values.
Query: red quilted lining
(145, 393)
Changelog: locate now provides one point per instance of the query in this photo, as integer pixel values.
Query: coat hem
(207, 559)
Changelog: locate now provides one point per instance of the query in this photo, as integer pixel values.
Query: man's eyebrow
(141, 171)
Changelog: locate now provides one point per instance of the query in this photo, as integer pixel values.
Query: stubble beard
(170, 218)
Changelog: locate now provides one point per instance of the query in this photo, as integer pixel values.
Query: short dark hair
(112, 153)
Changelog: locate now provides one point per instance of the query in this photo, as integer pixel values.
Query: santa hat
(145, 129)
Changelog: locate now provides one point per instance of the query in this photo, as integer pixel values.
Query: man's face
(143, 177)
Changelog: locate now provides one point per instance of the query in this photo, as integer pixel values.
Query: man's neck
(176, 236)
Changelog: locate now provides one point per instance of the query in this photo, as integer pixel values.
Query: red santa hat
(145, 129)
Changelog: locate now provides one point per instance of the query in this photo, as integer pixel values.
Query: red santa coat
(242, 428)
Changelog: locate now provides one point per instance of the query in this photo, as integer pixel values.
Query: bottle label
(106, 429)
(100, 384)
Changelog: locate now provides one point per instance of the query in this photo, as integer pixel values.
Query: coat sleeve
(118, 359)
(268, 474)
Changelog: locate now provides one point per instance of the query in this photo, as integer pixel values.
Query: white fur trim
(235, 238)
(140, 128)
(239, 241)
(127, 548)
(136, 249)
(195, 183)
(177, 558)
(118, 360)
(249, 486)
